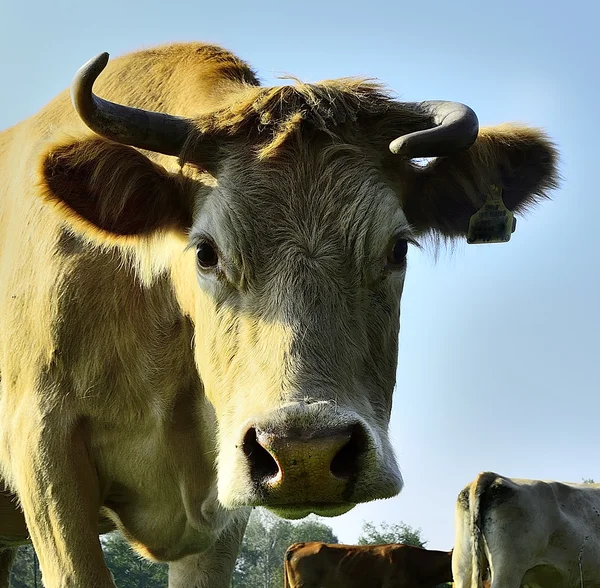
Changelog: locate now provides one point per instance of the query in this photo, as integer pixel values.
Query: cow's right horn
(144, 129)
(449, 127)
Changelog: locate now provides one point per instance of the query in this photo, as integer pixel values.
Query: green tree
(311, 530)
(265, 539)
(395, 533)
(26, 572)
(129, 569)
(260, 563)
(588, 481)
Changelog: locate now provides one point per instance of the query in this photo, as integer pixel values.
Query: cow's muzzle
(307, 458)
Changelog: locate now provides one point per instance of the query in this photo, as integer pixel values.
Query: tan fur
(270, 116)
(129, 378)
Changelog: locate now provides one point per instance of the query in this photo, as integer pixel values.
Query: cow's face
(301, 263)
(298, 273)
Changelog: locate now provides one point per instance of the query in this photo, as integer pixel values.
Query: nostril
(345, 463)
(262, 464)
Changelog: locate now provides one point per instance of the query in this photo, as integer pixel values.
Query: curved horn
(154, 131)
(454, 127)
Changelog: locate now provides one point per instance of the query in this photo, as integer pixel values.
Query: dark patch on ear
(114, 188)
(443, 196)
(436, 202)
(526, 168)
(463, 498)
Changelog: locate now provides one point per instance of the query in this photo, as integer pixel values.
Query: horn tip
(100, 60)
(398, 146)
(95, 64)
(81, 86)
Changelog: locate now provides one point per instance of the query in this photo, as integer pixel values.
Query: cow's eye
(397, 253)
(207, 255)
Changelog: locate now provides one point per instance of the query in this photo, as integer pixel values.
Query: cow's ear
(442, 196)
(111, 191)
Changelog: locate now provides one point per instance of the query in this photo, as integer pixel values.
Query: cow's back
(345, 566)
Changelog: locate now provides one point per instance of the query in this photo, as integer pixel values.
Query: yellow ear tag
(493, 222)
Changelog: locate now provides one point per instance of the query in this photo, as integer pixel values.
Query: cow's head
(298, 204)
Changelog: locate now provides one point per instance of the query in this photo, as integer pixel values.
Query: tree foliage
(26, 569)
(128, 568)
(394, 533)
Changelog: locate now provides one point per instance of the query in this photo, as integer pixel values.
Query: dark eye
(206, 253)
(397, 253)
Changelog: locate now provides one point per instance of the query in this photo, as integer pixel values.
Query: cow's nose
(305, 465)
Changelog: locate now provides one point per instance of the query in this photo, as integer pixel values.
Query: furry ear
(109, 190)
(443, 196)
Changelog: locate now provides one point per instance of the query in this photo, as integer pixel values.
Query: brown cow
(322, 565)
(199, 298)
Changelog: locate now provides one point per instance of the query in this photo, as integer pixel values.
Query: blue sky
(499, 354)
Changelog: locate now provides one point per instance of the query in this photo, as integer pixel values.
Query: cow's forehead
(309, 199)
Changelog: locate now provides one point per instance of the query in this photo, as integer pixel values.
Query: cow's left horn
(452, 127)
(154, 131)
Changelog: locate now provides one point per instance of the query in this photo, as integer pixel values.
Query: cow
(316, 564)
(200, 282)
(511, 532)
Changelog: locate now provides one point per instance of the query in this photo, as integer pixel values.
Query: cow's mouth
(299, 511)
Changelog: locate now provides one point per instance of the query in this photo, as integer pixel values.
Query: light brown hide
(354, 566)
